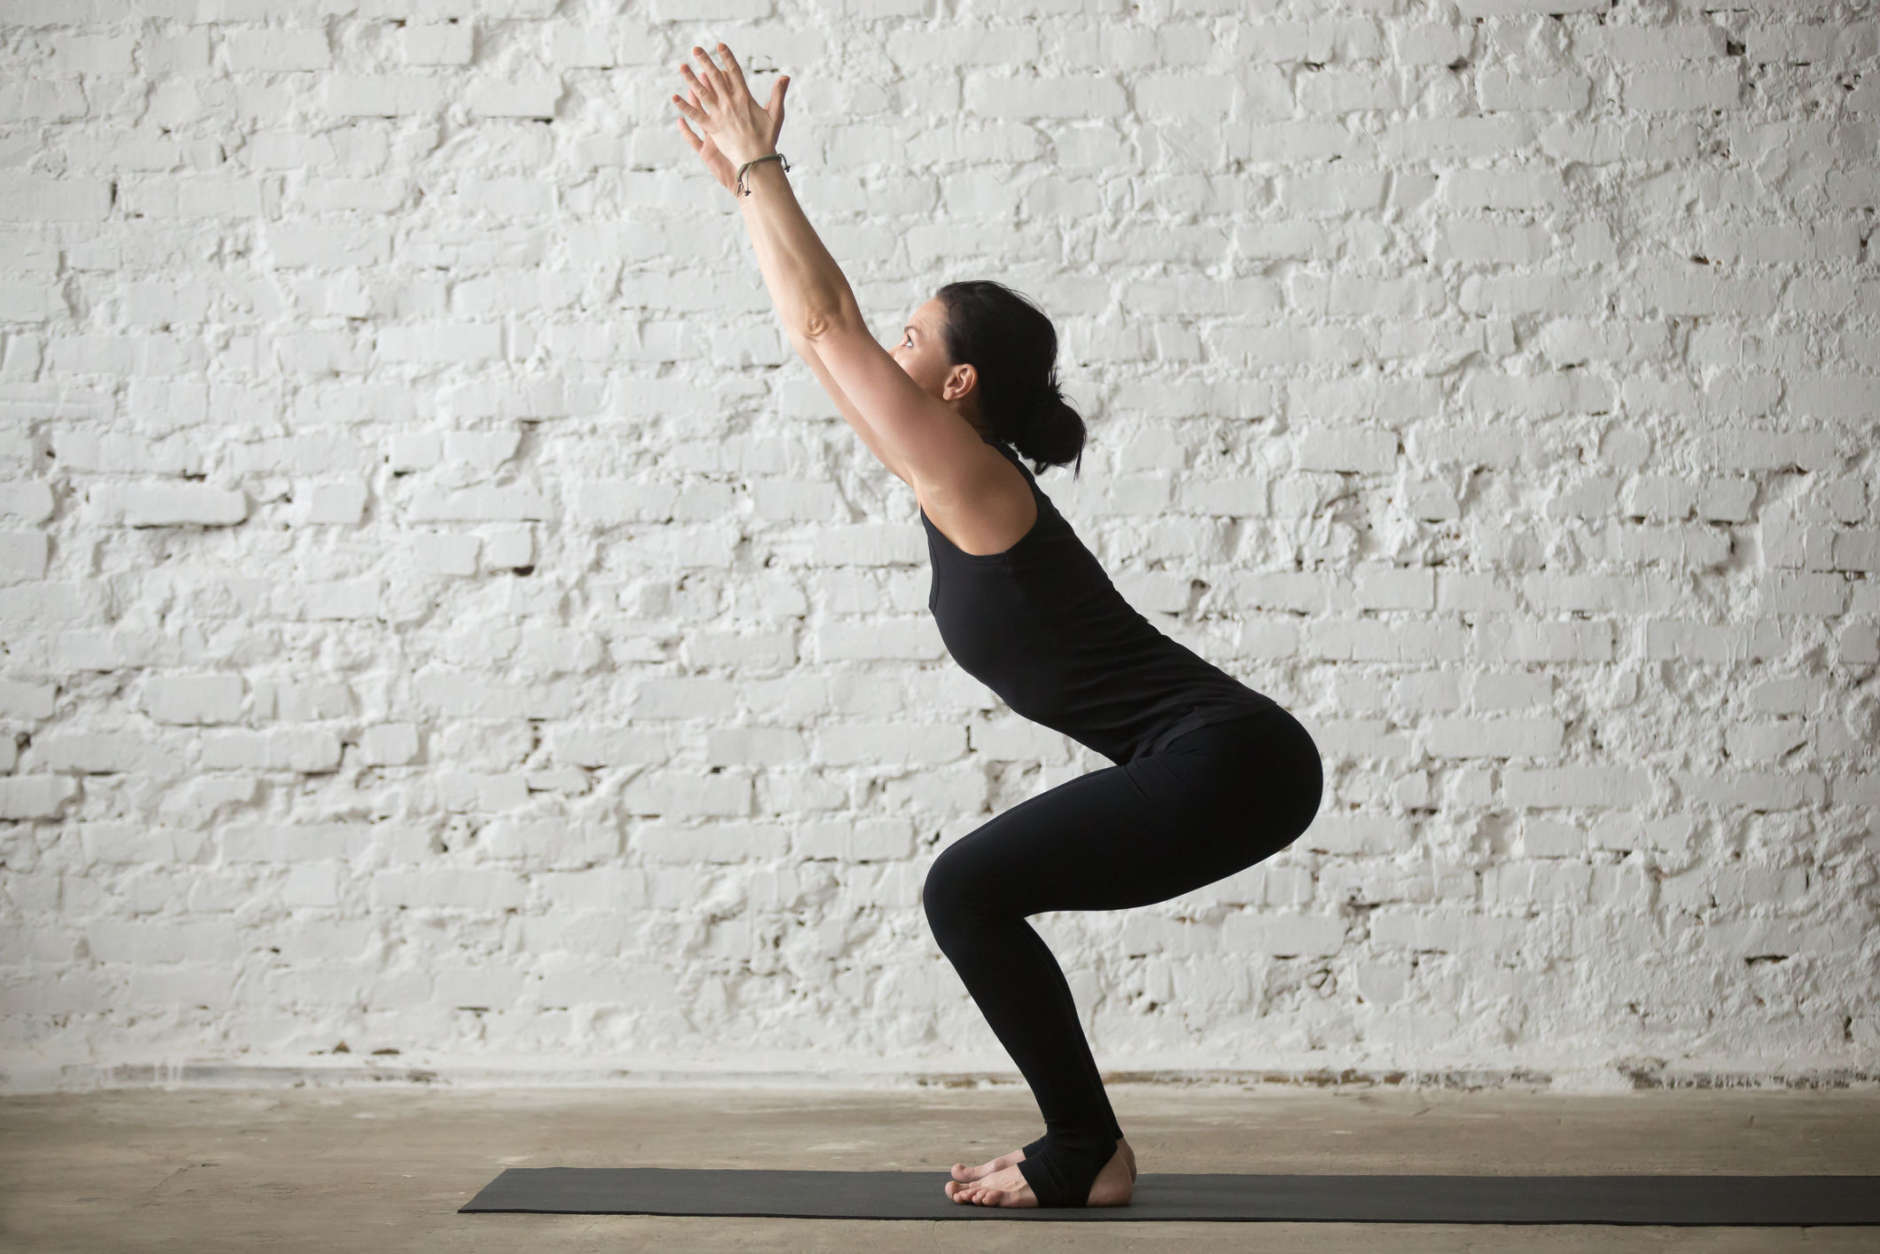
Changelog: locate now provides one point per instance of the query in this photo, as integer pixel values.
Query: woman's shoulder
(986, 507)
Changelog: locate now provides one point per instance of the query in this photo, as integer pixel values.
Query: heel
(1062, 1172)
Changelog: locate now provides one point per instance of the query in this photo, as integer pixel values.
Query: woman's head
(983, 346)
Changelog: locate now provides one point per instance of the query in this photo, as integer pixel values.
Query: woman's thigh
(1261, 773)
(1215, 801)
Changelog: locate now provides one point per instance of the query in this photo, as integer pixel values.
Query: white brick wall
(443, 627)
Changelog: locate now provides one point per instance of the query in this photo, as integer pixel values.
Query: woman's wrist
(749, 170)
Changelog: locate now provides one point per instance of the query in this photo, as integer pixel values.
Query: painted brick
(419, 540)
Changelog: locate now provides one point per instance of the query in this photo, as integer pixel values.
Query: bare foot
(963, 1173)
(1001, 1183)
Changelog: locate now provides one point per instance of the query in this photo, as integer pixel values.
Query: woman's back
(1043, 627)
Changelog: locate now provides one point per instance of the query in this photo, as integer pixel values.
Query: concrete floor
(384, 1170)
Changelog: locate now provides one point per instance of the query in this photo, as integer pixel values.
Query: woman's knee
(937, 891)
(953, 887)
(1312, 784)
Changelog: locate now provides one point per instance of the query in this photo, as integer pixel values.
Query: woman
(1209, 776)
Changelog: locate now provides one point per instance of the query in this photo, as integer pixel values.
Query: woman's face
(923, 354)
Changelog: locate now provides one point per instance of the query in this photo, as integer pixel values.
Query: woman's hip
(1262, 760)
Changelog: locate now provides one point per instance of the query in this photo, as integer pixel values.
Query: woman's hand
(736, 129)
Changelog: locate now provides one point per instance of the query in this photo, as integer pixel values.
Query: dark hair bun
(1010, 343)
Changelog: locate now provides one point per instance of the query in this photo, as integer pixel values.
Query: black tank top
(1043, 627)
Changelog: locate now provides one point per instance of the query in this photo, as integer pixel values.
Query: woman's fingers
(735, 73)
(713, 76)
(699, 85)
(716, 87)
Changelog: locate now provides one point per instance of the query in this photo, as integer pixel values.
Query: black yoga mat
(1759, 1201)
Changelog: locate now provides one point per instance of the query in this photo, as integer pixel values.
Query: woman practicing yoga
(1209, 776)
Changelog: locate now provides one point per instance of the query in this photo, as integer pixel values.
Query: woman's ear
(960, 381)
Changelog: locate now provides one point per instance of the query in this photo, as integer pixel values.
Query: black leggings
(1211, 802)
